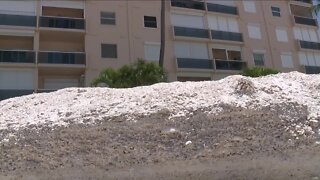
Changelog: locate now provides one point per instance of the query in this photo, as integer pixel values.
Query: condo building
(47, 45)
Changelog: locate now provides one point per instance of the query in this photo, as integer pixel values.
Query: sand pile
(168, 121)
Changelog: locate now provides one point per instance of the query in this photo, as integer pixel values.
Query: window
(223, 23)
(281, 35)
(109, 51)
(108, 18)
(309, 58)
(258, 59)
(152, 51)
(224, 54)
(275, 11)
(305, 34)
(191, 50)
(234, 55)
(254, 31)
(150, 21)
(286, 60)
(249, 6)
(187, 21)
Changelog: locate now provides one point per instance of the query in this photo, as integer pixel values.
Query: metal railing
(305, 21)
(229, 36)
(17, 56)
(222, 8)
(191, 32)
(309, 45)
(62, 58)
(312, 69)
(62, 22)
(209, 64)
(18, 20)
(305, 1)
(235, 65)
(195, 63)
(190, 4)
(11, 93)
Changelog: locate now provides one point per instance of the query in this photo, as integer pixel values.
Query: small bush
(140, 73)
(258, 71)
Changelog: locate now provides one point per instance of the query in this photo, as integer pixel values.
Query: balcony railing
(62, 22)
(11, 93)
(305, 21)
(312, 69)
(208, 64)
(17, 56)
(18, 20)
(195, 63)
(309, 45)
(227, 36)
(191, 32)
(190, 4)
(230, 65)
(222, 8)
(62, 58)
(305, 1)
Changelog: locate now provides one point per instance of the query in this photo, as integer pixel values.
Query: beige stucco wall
(130, 36)
(16, 42)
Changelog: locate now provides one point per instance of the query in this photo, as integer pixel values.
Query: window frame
(258, 26)
(263, 58)
(276, 11)
(109, 57)
(226, 51)
(149, 21)
(114, 19)
(277, 31)
(288, 54)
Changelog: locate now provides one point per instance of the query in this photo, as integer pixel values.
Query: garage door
(60, 83)
(16, 82)
(17, 79)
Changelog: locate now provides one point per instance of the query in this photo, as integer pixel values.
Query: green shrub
(140, 73)
(258, 71)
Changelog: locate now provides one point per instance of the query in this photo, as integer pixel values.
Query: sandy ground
(237, 144)
(304, 164)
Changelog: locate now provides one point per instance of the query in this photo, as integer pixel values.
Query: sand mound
(169, 121)
(297, 95)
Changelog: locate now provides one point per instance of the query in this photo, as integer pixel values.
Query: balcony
(62, 22)
(309, 45)
(190, 4)
(312, 69)
(230, 65)
(226, 36)
(305, 21)
(65, 58)
(191, 32)
(11, 93)
(18, 20)
(304, 1)
(191, 63)
(208, 64)
(222, 9)
(17, 56)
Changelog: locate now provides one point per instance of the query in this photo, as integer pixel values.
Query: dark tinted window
(150, 21)
(275, 11)
(109, 51)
